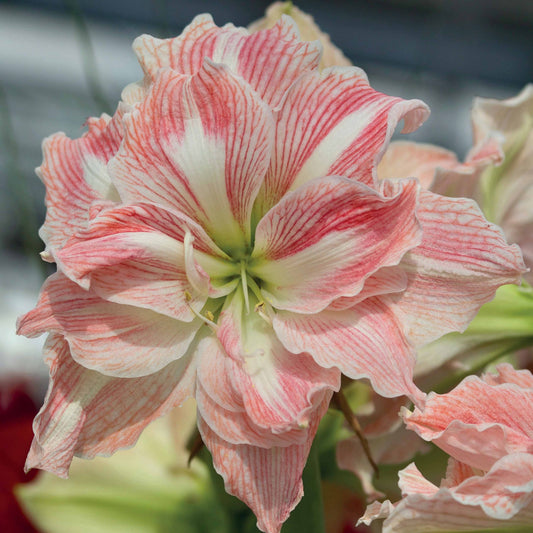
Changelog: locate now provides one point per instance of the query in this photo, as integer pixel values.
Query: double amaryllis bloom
(224, 236)
(485, 424)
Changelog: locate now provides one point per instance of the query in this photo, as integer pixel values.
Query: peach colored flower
(224, 236)
(309, 31)
(485, 424)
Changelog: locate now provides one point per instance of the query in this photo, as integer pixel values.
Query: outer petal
(363, 342)
(404, 159)
(438, 169)
(87, 414)
(507, 374)
(280, 389)
(477, 423)
(386, 280)
(461, 262)
(222, 406)
(333, 123)
(270, 60)
(200, 145)
(323, 240)
(309, 31)
(143, 255)
(499, 501)
(74, 173)
(268, 480)
(116, 340)
(508, 189)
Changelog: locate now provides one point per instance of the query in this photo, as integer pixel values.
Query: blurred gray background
(62, 61)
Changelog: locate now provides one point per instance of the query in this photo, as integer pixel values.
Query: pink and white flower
(497, 171)
(485, 424)
(224, 236)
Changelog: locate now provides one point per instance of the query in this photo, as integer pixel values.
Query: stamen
(260, 310)
(208, 320)
(245, 286)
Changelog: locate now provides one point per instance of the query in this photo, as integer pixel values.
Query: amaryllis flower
(485, 424)
(224, 236)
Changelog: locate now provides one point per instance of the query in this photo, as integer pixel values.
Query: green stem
(309, 513)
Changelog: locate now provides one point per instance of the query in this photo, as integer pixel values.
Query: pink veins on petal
(224, 235)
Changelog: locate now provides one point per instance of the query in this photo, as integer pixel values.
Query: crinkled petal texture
(269, 60)
(309, 31)
(457, 268)
(200, 145)
(267, 479)
(481, 420)
(75, 175)
(501, 500)
(323, 240)
(345, 134)
(509, 188)
(113, 339)
(87, 413)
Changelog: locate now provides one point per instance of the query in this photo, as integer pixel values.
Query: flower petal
(477, 422)
(113, 339)
(333, 123)
(461, 262)
(309, 31)
(499, 501)
(200, 145)
(222, 407)
(363, 342)
(280, 389)
(143, 255)
(386, 280)
(508, 189)
(268, 480)
(405, 159)
(74, 173)
(87, 414)
(323, 240)
(269, 60)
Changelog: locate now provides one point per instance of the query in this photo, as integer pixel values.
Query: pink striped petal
(477, 422)
(364, 342)
(507, 374)
(309, 31)
(222, 406)
(504, 490)
(268, 480)
(411, 481)
(333, 123)
(88, 414)
(322, 241)
(140, 255)
(269, 60)
(114, 339)
(279, 389)
(501, 500)
(461, 262)
(74, 173)
(200, 145)
(386, 280)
